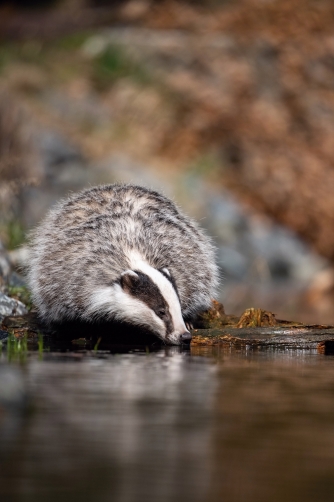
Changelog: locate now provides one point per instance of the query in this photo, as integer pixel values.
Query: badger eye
(161, 312)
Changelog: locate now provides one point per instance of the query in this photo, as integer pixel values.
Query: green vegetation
(112, 64)
(29, 53)
(14, 234)
(34, 65)
(17, 348)
(40, 345)
(63, 59)
(40, 53)
(22, 294)
(96, 346)
(72, 42)
(206, 165)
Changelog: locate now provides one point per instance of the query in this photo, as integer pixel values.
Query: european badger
(124, 253)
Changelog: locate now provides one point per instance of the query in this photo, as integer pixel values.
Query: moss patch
(22, 294)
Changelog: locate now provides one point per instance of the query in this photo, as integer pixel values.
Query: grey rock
(9, 306)
(63, 169)
(3, 335)
(16, 280)
(56, 150)
(19, 257)
(5, 267)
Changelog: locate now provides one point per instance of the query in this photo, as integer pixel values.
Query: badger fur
(122, 253)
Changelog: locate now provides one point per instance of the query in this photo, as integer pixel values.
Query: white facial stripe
(166, 289)
(113, 301)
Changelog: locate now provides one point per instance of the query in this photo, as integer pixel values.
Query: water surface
(173, 425)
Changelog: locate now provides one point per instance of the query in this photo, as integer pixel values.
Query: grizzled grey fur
(88, 241)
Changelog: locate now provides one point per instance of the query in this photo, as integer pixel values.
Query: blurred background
(227, 106)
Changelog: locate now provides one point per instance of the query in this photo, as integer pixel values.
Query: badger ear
(129, 280)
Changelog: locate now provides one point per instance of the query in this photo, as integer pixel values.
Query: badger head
(145, 298)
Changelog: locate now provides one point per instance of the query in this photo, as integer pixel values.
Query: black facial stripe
(145, 290)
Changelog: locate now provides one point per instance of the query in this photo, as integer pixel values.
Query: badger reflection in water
(125, 428)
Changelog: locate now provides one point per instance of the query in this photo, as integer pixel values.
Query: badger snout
(185, 338)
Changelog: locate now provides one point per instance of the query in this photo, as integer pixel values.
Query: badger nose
(185, 337)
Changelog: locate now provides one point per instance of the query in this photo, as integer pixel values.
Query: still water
(201, 425)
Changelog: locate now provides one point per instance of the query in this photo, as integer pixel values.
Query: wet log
(254, 328)
(259, 328)
(306, 337)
